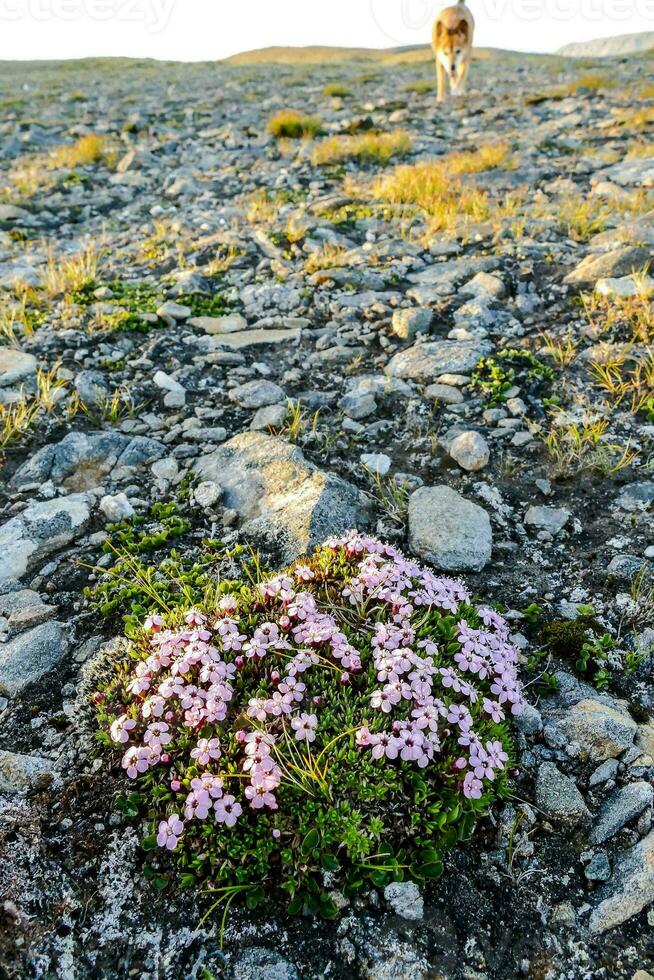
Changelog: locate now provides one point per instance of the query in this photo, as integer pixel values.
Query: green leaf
(149, 843)
(310, 842)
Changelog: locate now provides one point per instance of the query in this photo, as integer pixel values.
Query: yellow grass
(70, 274)
(87, 149)
(434, 187)
(366, 148)
(290, 124)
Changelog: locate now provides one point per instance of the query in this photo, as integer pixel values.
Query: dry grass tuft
(366, 148)
(434, 189)
(290, 124)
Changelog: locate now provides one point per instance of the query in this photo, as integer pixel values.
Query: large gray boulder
(40, 529)
(82, 460)
(282, 498)
(452, 533)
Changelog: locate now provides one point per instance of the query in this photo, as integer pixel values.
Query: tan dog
(452, 44)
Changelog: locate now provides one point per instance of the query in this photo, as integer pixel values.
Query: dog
(452, 44)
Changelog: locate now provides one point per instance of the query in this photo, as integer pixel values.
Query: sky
(205, 30)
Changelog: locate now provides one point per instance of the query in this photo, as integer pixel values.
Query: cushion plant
(336, 725)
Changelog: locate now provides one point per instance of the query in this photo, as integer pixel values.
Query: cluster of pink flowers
(184, 688)
(410, 682)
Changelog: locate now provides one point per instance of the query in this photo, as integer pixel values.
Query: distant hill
(322, 54)
(606, 47)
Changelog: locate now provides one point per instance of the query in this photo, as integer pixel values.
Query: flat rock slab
(443, 277)
(82, 460)
(630, 890)
(631, 173)
(21, 773)
(40, 529)
(425, 362)
(27, 658)
(282, 497)
(452, 533)
(252, 338)
(620, 808)
(15, 366)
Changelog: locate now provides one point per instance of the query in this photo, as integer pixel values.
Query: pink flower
(304, 726)
(205, 750)
(227, 810)
(120, 729)
(472, 787)
(170, 831)
(153, 623)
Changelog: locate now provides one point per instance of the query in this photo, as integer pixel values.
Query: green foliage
(345, 820)
(495, 376)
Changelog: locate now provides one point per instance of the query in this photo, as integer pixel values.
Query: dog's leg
(461, 83)
(440, 82)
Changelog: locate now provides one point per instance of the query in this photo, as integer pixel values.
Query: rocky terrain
(213, 332)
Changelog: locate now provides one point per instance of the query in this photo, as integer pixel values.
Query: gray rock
(232, 323)
(620, 808)
(116, 507)
(207, 494)
(27, 658)
(358, 404)
(378, 463)
(92, 387)
(559, 799)
(598, 868)
(39, 530)
(443, 277)
(256, 394)
(405, 899)
(252, 338)
(552, 519)
(447, 394)
(282, 498)
(630, 890)
(269, 417)
(615, 263)
(446, 529)
(593, 729)
(82, 460)
(174, 310)
(258, 963)
(604, 773)
(21, 610)
(626, 567)
(15, 366)
(408, 323)
(21, 773)
(424, 362)
(632, 173)
(530, 721)
(637, 496)
(470, 450)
